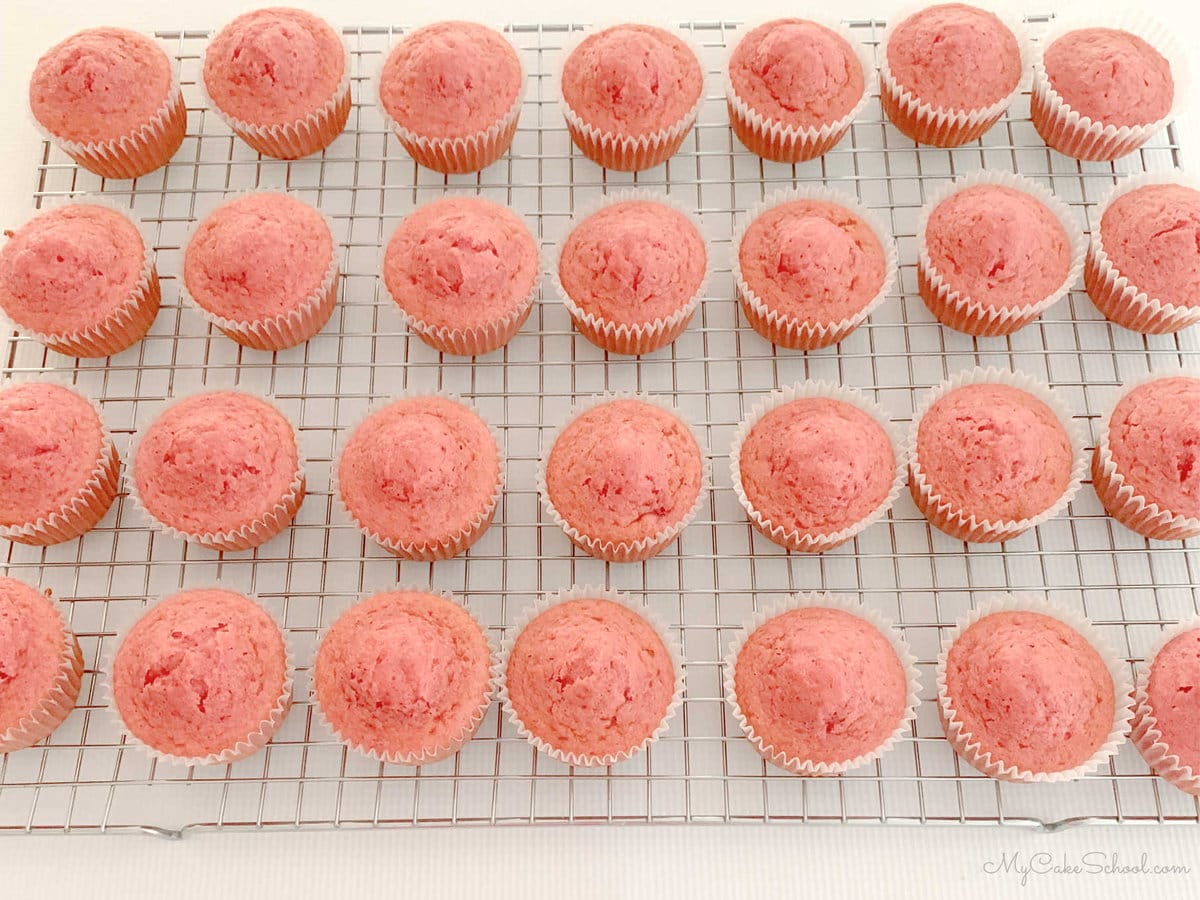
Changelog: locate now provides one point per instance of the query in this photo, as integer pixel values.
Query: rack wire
(84, 778)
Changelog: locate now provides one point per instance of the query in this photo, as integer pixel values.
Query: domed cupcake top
(1110, 76)
(1151, 235)
(1173, 693)
(32, 642)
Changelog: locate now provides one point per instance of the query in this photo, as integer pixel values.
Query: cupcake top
(32, 639)
(99, 85)
(461, 262)
(419, 470)
(816, 465)
(1030, 690)
(69, 268)
(403, 673)
(274, 66)
(632, 80)
(1110, 76)
(1174, 695)
(590, 677)
(450, 79)
(199, 673)
(1152, 236)
(258, 256)
(954, 56)
(633, 262)
(215, 462)
(1000, 246)
(797, 72)
(51, 440)
(812, 260)
(994, 451)
(624, 471)
(1154, 438)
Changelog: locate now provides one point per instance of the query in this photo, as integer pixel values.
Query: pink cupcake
(1146, 466)
(630, 95)
(631, 272)
(623, 477)
(814, 464)
(280, 79)
(995, 251)
(80, 279)
(421, 477)
(110, 99)
(221, 470)
(42, 665)
(464, 272)
(1166, 722)
(452, 93)
(58, 466)
(202, 678)
(262, 268)
(404, 677)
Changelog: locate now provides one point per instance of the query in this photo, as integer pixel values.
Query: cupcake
(949, 72)
(110, 99)
(631, 272)
(41, 662)
(994, 454)
(1146, 466)
(1027, 692)
(262, 268)
(58, 465)
(793, 86)
(1143, 264)
(221, 470)
(588, 679)
(821, 684)
(202, 678)
(280, 79)
(421, 477)
(623, 477)
(816, 463)
(452, 93)
(80, 279)
(464, 272)
(630, 95)
(995, 251)
(404, 677)
(810, 266)
(1166, 723)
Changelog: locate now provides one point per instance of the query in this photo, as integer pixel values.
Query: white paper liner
(794, 332)
(854, 606)
(1145, 734)
(429, 755)
(970, 750)
(585, 592)
(622, 551)
(817, 542)
(254, 533)
(1114, 294)
(1118, 496)
(422, 551)
(1072, 134)
(641, 337)
(959, 310)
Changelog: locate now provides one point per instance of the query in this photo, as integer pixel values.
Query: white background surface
(582, 861)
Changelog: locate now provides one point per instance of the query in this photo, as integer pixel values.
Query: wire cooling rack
(85, 779)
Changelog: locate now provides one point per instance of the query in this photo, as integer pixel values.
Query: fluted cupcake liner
(585, 592)
(1145, 733)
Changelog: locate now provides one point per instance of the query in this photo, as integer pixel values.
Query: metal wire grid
(85, 779)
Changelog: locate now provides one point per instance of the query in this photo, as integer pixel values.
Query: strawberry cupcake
(464, 272)
(80, 279)
(1166, 722)
(280, 79)
(630, 95)
(110, 99)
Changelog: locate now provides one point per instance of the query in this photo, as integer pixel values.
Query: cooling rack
(84, 779)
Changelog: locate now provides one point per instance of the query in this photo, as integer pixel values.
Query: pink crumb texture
(820, 685)
(404, 674)
(200, 673)
(1151, 236)
(590, 677)
(1110, 76)
(31, 651)
(1031, 691)
(1174, 696)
